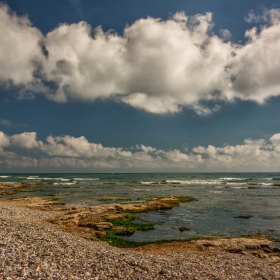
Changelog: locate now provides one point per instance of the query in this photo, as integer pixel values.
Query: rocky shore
(10, 188)
(32, 248)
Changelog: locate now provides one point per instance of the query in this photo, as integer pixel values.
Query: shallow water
(222, 198)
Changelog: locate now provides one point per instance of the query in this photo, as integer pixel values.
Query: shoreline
(32, 247)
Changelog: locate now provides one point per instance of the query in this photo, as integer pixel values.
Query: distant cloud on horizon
(77, 153)
(159, 66)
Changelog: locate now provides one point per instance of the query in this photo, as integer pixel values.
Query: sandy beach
(31, 248)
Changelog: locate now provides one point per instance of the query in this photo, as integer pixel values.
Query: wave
(57, 179)
(68, 183)
(149, 183)
(141, 190)
(194, 182)
(235, 179)
(4, 176)
(86, 179)
(33, 178)
(236, 183)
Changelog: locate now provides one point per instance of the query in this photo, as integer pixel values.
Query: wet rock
(8, 185)
(96, 226)
(183, 229)
(123, 231)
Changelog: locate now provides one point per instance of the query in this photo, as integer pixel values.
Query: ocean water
(222, 199)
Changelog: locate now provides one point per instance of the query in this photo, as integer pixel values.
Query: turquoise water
(222, 198)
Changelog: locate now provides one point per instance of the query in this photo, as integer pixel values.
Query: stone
(123, 231)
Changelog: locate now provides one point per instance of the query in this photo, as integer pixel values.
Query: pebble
(33, 249)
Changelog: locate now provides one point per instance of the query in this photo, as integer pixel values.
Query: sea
(227, 205)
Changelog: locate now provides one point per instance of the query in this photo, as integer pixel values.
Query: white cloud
(8, 123)
(158, 66)
(256, 65)
(225, 34)
(19, 48)
(275, 138)
(4, 140)
(268, 16)
(77, 153)
(25, 140)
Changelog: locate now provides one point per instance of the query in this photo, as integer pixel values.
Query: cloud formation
(7, 123)
(77, 153)
(156, 65)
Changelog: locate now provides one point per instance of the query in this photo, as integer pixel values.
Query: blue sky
(137, 86)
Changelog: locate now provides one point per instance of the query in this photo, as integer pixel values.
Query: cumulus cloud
(25, 140)
(4, 140)
(20, 49)
(77, 153)
(255, 67)
(225, 34)
(156, 65)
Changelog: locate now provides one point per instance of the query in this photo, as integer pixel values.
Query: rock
(252, 246)
(35, 203)
(123, 231)
(23, 185)
(257, 246)
(183, 229)
(6, 193)
(100, 233)
(96, 226)
(235, 249)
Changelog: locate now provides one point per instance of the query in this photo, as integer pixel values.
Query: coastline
(33, 248)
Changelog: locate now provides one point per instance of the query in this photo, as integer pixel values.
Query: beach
(31, 248)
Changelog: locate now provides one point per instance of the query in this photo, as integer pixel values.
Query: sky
(139, 86)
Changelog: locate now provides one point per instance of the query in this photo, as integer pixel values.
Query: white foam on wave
(69, 183)
(237, 184)
(194, 182)
(33, 178)
(57, 179)
(4, 176)
(235, 179)
(86, 179)
(141, 190)
(148, 183)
